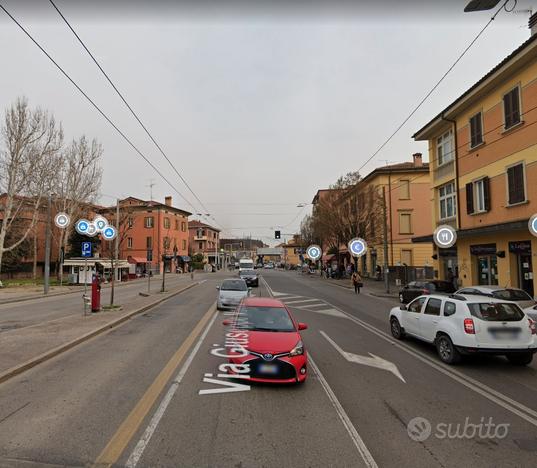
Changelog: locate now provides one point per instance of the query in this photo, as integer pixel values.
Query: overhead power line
(135, 115)
(92, 102)
(415, 109)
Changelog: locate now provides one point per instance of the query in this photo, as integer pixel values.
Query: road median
(27, 347)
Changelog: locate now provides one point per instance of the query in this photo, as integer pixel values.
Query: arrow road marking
(373, 361)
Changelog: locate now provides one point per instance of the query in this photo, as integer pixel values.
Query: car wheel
(522, 359)
(397, 331)
(446, 350)
(401, 298)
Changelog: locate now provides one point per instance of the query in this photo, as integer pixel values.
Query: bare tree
(78, 182)
(28, 162)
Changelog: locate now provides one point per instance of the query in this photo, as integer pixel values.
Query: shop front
(521, 256)
(485, 263)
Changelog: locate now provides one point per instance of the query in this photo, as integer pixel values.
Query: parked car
(274, 352)
(462, 325)
(231, 293)
(531, 312)
(414, 289)
(269, 265)
(521, 297)
(250, 276)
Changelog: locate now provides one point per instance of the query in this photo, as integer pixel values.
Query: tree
(77, 183)
(29, 160)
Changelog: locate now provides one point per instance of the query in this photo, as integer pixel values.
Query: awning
(118, 264)
(137, 259)
(79, 262)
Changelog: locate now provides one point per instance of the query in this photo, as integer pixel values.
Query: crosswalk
(310, 304)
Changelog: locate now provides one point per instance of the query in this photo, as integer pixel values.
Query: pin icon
(314, 252)
(62, 220)
(100, 223)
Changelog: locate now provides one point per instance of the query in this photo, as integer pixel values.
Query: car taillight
(532, 326)
(469, 326)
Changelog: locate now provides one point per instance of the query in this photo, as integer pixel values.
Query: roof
(399, 167)
(137, 202)
(262, 302)
(197, 224)
(421, 134)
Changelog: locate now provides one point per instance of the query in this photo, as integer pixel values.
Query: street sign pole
(46, 282)
(85, 283)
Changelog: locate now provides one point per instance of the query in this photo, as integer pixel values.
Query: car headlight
(297, 350)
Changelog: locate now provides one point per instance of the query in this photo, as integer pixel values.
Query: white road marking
(138, 451)
(374, 361)
(349, 426)
(301, 301)
(311, 306)
(331, 312)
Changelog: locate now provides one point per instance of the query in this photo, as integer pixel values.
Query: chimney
(168, 200)
(418, 162)
(532, 24)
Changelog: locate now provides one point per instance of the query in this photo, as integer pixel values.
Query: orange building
(483, 149)
(204, 240)
(151, 234)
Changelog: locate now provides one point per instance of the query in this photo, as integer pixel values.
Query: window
(449, 308)
(476, 130)
(183, 226)
(478, 196)
(406, 257)
(184, 244)
(131, 222)
(148, 222)
(129, 242)
(149, 255)
(511, 108)
(444, 148)
(166, 243)
(448, 201)
(404, 189)
(166, 223)
(433, 307)
(177, 225)
(149, 242)
(200, 245)
(515, 184)
(405, 223)
(415, 306)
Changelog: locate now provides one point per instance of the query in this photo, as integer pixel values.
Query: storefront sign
(522, 247)
(483, 249)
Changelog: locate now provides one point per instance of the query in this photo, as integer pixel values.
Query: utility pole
(385, 229)
(48, 236)
(163, 286)
(151, 184)
(115, 258)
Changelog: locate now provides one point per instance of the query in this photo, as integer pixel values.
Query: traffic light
(277, 235)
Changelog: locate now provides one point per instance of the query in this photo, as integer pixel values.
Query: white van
(246, 264)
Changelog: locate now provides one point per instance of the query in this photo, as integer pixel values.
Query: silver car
(231, 293)
(522, 298)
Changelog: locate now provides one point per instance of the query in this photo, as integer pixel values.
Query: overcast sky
(257, 105)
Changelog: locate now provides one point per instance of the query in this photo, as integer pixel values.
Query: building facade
(483, 153)
(204, 239)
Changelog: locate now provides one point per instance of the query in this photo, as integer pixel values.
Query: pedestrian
(356, 280)
(329, 272)
(450, 276)
(379, 273)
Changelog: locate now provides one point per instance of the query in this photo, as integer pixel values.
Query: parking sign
(86, 249)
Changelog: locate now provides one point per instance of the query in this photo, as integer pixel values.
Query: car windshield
(512, 295)
(247, 272)
(234, 285)
(496, 312)
(266, 319)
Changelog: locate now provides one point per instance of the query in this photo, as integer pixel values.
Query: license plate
(268, 369)
(505, 333)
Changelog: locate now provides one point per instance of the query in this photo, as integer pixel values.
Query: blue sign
(86, 249)
(82, 226)
(109, 232)
(357, 247)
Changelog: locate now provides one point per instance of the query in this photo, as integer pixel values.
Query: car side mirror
(403, 307)
(226, 322)
(302, 326)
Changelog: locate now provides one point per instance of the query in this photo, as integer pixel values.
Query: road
(148, 394)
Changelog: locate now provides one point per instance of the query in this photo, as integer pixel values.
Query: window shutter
(486, 193)
(469, 198)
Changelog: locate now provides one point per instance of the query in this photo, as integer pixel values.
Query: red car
(269, 345)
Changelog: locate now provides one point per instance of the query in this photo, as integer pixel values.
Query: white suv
(462, 325)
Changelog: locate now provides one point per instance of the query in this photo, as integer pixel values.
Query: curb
(81, 339)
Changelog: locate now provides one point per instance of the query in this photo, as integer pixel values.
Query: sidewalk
(372, 287)
(26, 347)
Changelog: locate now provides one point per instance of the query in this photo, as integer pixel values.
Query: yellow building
(483, 154)
(292, 250)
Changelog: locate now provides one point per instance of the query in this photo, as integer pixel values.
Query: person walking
(356, 280)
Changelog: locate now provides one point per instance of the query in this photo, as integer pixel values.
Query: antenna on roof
(151, 185)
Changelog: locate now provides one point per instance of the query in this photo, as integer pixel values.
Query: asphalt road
(148, 394)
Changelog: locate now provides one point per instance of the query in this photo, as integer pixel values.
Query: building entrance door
(525, 273)
(487, 270)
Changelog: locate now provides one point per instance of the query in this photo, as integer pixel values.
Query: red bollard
(95, 294)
